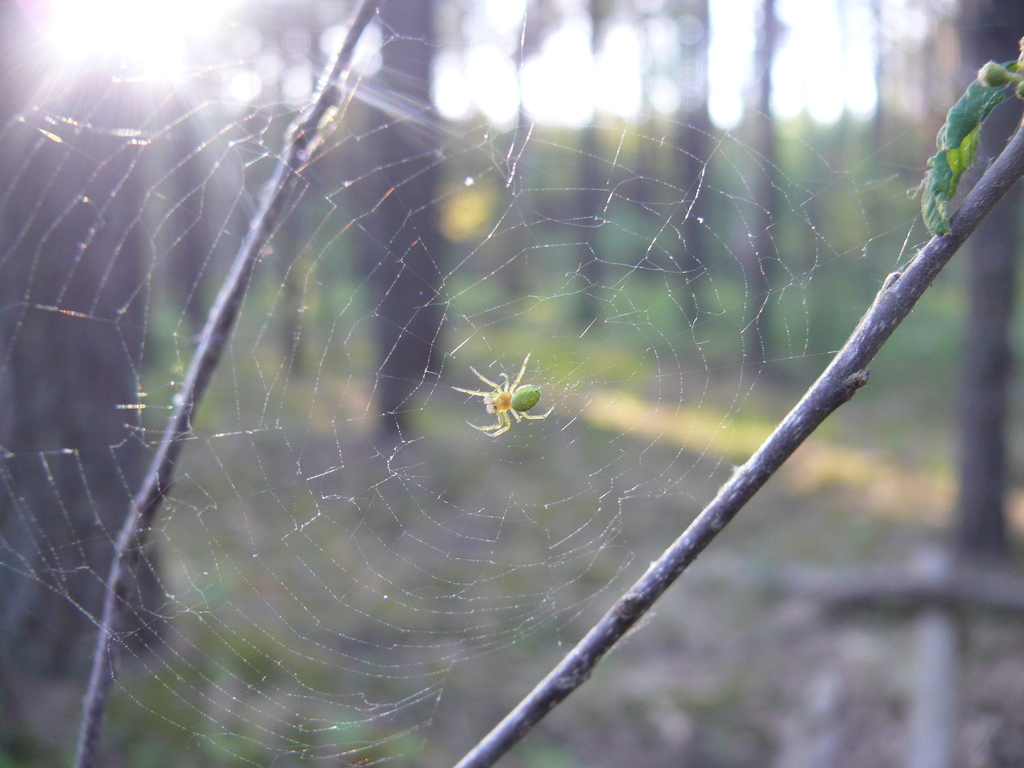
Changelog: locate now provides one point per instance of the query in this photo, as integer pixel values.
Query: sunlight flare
(154, 36)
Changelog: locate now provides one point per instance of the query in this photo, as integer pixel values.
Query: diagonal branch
(280, 194)
(841, 379)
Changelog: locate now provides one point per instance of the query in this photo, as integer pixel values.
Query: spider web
(319, 591)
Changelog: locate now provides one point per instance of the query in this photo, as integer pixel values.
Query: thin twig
(281, 192)
(841, 379)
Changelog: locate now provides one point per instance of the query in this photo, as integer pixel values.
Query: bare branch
(280, 194)
(841, 379)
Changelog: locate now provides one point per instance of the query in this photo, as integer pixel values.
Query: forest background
(678, 209)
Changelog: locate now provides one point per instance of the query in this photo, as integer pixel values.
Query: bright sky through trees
(153, 35)
(560, 83)
(563, 82)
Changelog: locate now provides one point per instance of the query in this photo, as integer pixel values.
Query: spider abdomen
(525, 397)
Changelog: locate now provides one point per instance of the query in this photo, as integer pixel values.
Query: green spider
(507, 398)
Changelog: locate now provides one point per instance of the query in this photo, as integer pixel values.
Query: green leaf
(968, 113)
(936, 194)
(957, 143)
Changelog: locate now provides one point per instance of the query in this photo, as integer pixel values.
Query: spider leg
(473, 392)
(504, 419)
(522, 370)
(499, 425)
(484, 429)
(542, 416)
(503, 425)
(484, 378)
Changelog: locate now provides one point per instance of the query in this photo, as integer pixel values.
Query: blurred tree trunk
(287, 252)
(201, 224)
(514, 274)
(591, 201)
(761, 257)
(693, 142)
(288, 246)
(400, 244)
(992, 31)
(17, 77)
(72, 326)
(878, 121)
